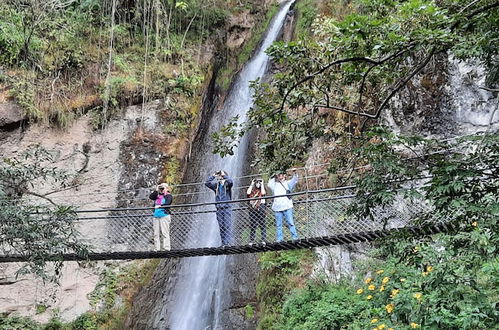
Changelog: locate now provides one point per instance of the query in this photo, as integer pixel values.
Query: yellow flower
(429, 269)
(390, 329)
(369, 297)
(394, 293)
(381, 271)
(402, 280)
(359, 291)
(417, 296)
(368, 280)
(385, 280)
(389, 308)
(414, 325)
(382, 288)
(474, 223)
(416, 249)
(381, 326)
(425, 273)
(371, 287)
(374, 320)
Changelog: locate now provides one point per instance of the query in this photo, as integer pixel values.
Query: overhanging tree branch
(397, 86)
(371, 61)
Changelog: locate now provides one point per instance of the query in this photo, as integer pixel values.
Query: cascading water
(474, 108)
(198, 296)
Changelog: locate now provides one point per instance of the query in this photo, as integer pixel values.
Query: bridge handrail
(299, 202)
(304, 192)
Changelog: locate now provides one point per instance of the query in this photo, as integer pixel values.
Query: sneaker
(264, 243)
(251, 243)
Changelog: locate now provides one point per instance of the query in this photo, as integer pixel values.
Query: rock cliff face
(98, 157)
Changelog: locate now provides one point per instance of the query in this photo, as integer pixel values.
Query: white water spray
(198, 297)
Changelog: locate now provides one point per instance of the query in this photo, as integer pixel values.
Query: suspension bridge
(321, 218)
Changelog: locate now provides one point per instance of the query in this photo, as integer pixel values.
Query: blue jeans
(288, 215)
(224, 218)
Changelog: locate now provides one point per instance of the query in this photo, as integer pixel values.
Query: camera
(161, 188)
(218, 173)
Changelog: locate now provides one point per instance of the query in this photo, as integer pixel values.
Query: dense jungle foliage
(59, 59)
(358, 57)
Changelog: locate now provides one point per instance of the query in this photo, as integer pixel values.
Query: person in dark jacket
(162, 218)
(257, 209)
(221, 184)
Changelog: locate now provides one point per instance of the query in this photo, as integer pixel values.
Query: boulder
(10, 113)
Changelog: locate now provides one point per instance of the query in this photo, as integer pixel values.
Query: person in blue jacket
(162, 197)
(221, 184)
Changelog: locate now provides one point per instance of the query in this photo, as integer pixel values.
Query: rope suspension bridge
(321, 218)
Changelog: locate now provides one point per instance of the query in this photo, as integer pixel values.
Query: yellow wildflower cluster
(369, 297)
(385, 280)
(380, 327)
(394, 293)
(414, 325)
(371, 287)
(402, 280)
(389, 308)
(379, 272)
(474, 224)
(429, 269)
(359, 291)
(417, 296)
(374, 321)
(368, 280)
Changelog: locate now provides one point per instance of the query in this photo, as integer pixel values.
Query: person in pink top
(162, 218)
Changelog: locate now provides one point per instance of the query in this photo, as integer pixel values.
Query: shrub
(321, 307)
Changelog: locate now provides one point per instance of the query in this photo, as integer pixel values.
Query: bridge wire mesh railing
(316, 214)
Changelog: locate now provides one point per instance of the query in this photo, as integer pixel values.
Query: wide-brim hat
(165, 186)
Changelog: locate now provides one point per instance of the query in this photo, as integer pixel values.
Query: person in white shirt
(283, 206)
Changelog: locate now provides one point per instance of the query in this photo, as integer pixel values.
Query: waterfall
(198, 296)
(474, 108)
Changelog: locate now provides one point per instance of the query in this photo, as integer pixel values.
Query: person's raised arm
(271, 184)
(250, 188)
(294, 180)
(209, 183)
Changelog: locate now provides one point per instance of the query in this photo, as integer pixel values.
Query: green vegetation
(112, 296)
(334, 85)
(306, 12)
(354, 62)
(441, 281)
(71, 57)
(321, 306)
(281, 272)
(36, 230)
